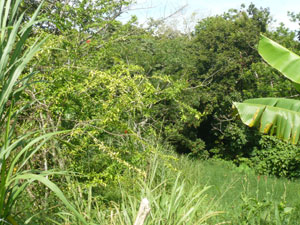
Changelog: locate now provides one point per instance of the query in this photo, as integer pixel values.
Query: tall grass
(16, 152)
(245, 197)
(186, 191)
(171, 199)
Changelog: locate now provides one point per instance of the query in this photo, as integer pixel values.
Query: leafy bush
(265, 212)
(114, 114)
(277, 158)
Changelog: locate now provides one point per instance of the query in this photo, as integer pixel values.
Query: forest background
(126, 94)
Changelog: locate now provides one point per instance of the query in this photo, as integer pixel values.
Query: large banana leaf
(276, 116)
(280, 58)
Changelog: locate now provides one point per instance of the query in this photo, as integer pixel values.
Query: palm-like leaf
(280, 58)
(276, 116)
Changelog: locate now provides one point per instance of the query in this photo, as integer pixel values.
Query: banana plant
(275, 116)
(16, 151)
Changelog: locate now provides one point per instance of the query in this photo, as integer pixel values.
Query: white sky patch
(144, 9)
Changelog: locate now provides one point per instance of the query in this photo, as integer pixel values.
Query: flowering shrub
(113, 114)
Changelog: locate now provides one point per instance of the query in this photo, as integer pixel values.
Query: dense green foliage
(123, 98)
(277, 158)
(229, 63)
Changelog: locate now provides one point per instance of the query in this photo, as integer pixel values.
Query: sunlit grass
(230, 186)
(192, 192)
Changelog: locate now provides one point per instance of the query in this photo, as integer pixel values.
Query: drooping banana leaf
(280, 58)
(274, 116)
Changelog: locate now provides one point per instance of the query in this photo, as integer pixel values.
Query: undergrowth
(185, 191)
